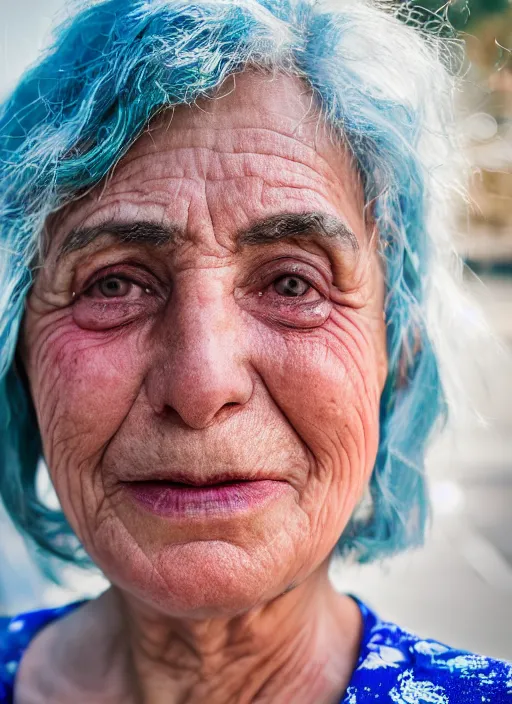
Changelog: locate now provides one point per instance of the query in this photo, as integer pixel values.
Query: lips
(219, 495)
(184, 479)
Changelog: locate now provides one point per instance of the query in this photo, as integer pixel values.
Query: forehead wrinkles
(149, 174)
(196, 153)
(230, 136)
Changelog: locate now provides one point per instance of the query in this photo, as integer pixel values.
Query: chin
(198, 579)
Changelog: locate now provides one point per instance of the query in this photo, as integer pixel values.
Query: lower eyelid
(312, 297)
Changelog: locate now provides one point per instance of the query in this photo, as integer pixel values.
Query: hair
(383, 85)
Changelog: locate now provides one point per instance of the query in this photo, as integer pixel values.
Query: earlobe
(383, 371)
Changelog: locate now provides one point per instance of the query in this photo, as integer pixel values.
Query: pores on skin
(201, 364)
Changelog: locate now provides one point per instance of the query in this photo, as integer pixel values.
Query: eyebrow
(268, 230)
(140, 232)
(288, 225)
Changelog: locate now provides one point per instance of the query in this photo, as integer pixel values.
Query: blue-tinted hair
(380, 84)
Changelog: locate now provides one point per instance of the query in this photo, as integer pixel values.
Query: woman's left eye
(291, 286)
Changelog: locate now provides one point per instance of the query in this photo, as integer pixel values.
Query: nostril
(228, 409)
(198, 394)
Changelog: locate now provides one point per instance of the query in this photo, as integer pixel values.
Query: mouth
(177, 499)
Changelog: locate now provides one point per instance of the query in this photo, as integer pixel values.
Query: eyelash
(259, 295)
(122, 276)
(116, 274)
(291, 269)
(126, 279)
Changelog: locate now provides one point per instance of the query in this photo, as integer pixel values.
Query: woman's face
(212, 313)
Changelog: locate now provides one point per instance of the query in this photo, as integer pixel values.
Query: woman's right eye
(114, 299)
(111, 287)
(115, 286)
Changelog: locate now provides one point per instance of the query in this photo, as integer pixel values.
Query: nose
(200, 369)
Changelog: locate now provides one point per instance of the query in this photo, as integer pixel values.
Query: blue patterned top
(394, 666)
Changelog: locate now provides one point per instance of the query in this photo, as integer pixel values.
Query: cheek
(83, 386)
(327, 384)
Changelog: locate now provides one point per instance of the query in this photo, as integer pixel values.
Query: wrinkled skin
(202, 364)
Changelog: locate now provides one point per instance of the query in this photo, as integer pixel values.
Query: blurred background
(458, 588)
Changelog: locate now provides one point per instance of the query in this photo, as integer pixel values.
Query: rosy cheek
(85, 384)
(325, 383)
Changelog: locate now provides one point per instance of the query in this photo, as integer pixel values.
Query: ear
(382, 358)
(380, 275)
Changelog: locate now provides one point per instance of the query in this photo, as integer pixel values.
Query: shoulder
(16, 633)
(397, 666)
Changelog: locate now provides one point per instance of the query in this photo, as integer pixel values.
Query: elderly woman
(220, 222)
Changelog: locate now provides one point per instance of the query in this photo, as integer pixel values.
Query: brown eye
(112, 286)
(291, 286)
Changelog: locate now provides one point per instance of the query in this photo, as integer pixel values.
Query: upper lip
(186, 479)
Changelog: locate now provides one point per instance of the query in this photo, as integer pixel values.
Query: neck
(301, 647)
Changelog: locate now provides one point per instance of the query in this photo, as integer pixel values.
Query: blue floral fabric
(397, 667)
(15, 636)
(394, 666)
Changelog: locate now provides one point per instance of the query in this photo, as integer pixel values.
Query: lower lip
(175, 500)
